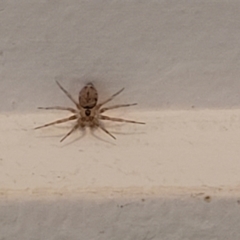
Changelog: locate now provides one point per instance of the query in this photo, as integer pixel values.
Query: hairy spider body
(88, 112)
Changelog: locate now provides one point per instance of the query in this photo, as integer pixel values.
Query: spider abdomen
(88, 97)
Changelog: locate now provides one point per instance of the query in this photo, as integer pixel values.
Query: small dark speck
(143, 200)
(238, 202)
(192, 106)
(207, 198)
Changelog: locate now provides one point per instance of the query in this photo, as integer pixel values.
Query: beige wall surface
(175, 178)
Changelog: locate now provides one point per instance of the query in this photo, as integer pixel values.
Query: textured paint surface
(161, 216)
(174, 148)
(167, 54)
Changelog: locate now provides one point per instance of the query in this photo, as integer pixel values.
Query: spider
(88, 112)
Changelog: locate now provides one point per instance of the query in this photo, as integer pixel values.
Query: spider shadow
(55, 135)
(127, 133)
(116, 129)
(83, 133)
(93, 130)
(83, 130)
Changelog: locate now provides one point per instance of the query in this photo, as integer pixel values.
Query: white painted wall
(168, 54)
(180, 61)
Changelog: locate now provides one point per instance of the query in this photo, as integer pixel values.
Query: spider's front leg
(68, 95)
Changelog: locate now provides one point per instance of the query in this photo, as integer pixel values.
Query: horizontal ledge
(131, 192)
(179, 149)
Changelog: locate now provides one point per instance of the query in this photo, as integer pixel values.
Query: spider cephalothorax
(88, 112)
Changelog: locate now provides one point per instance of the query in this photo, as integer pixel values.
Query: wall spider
(88, 112)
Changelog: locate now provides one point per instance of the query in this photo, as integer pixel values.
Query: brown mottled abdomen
(88, 96)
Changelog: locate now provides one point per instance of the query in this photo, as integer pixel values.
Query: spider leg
(116, 106)
(118, 119)
(68, 94)
(58, 121)
(104, 129)
(70, 132)
(109, 99)
(59, 108)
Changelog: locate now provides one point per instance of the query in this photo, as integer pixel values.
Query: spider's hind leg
(118, 119)
(70, 132)
(97, 124)
(59, 108)
(58, 122)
